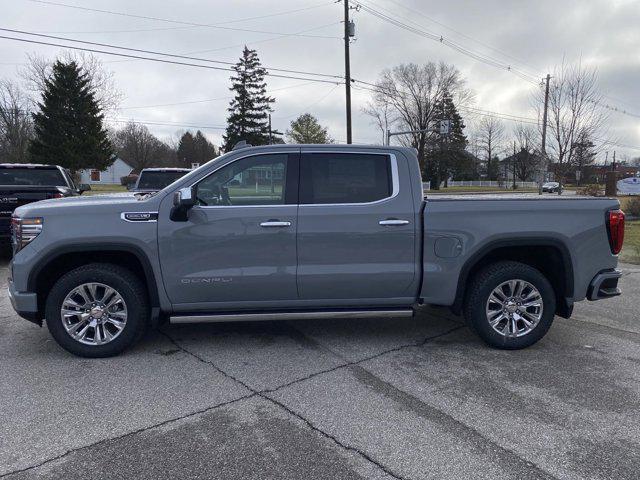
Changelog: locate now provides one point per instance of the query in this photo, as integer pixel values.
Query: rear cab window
(345, 178)
(158, 179)
(25, 176)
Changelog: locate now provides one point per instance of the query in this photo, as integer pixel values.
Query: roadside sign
(445, 127)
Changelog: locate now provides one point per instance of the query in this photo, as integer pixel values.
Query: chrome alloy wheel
(514, 308)
(93, 314)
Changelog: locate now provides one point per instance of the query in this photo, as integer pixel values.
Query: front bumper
(25, 304)
(604, 285)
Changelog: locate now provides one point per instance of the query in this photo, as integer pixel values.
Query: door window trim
(395, 180)
(295, 157)
(293, 164)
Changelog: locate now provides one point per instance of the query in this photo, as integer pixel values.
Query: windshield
(32, 177)
(157, 180)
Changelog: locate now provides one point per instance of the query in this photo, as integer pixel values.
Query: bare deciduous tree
(135, 144)
(16, 127)
(406, 97)
(382, 116)
(491, 136)
(574, 112)
(527, 160)
(38, 70)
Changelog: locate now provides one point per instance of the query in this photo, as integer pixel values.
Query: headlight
(24, 230)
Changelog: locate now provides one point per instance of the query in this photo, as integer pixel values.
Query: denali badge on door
(139, 216)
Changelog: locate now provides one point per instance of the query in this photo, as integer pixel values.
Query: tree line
(60, 117)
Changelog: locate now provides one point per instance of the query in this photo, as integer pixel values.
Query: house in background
(112, 175)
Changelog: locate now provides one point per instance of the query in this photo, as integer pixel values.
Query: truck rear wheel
(510, 305)
(97, 310)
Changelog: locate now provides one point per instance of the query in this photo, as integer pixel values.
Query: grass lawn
(97, 189)
(631, 248)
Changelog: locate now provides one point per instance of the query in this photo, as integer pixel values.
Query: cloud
(534, 36)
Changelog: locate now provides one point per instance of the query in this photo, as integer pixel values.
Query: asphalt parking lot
(389, 398)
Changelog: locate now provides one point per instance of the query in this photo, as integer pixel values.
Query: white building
(118, 169)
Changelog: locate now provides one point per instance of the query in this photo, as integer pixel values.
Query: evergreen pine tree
(68, 126)
(449, 149)
(186, 150)
(249, 109)
(204, 149)
(194, 149)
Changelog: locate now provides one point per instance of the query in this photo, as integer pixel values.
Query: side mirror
(84, 187)
(183, 200)
(130, 186)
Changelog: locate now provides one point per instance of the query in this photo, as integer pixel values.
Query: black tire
(484, 283)
(126, 283)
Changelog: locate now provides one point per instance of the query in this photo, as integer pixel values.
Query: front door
(239, 242)
(356, 231)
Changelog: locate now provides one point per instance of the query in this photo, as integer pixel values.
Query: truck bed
(460, 228)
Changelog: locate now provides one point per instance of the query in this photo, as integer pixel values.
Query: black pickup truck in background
(25, 183)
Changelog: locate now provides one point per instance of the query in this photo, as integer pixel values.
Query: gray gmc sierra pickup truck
(312, 231)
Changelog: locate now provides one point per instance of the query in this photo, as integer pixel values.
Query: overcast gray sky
(532, 36)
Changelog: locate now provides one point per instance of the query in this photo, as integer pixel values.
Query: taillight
(615, 229)
(58, 195)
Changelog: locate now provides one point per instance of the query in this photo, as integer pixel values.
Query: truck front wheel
(510, 305)
(97, 310)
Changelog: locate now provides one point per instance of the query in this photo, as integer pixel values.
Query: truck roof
(28, 165)
(327, 146)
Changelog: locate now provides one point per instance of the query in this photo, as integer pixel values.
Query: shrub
(633, 207)
(592, 190)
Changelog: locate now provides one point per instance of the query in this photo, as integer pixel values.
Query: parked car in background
(25, 183)
(297, 231)
(153, 179)
(551, 187)
(629, 186)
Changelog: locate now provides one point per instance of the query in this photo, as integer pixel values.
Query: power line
(316, 102)
(506, 116)
(153, 52)
(286, 12)
(210, 99)
(419, 30)
(168, 124)
(159, 60)
(439, 38)
(532, 70)
(168, 20)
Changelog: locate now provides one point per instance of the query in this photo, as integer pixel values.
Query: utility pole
(348, 33)
(544, 132)
(270, 133)
(614, 161)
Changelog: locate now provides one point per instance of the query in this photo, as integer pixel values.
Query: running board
(253, 317)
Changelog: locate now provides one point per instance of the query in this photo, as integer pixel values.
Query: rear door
(356, 232)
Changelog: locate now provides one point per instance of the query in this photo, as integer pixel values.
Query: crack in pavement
(125, 435)
(349, 363)
(581, 318)
(425, 409)
(261, 393)
(308, 422)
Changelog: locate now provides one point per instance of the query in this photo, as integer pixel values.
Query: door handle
(275, 223)
(390, 222)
